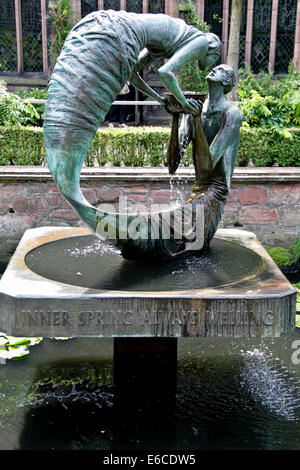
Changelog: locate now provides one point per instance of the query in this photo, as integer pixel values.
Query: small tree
(234, 41)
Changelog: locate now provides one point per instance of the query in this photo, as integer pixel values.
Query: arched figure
(215, 152)
(102, 52)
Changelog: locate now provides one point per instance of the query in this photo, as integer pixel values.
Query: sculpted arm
(137, 81)
(195, 50)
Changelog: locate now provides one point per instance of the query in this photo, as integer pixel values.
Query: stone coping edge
(257, 175)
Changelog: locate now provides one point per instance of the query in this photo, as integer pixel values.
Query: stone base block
(262, 304)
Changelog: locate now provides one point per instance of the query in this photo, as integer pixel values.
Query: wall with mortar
(262, 200)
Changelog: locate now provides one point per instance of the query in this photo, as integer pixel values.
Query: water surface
(87, 262)
(230, 394)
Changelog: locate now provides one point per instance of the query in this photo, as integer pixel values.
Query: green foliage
(281, 256)
(15, 348)
(266, 102)
(144, 146)
(266, 85)
(266, 147)
(267, 111)
(295, 250)
(38, 94)
(21, 146)
(285, 257)
(190, 77)
(147, 146)
(60, 14)
(14, 111)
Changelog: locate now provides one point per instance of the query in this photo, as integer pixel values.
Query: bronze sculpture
(102, 52)
(215, 136)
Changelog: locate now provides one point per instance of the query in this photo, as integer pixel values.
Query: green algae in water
(50, 370)
(67, 383)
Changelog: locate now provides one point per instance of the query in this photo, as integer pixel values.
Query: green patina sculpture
(215, 138)
(102, 52)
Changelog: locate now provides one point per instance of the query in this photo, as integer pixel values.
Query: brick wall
(265, 201)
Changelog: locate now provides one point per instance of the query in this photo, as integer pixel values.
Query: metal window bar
(157, 6)
(135, 6)
(31, 17)
(87, 6)
(111, 5)
(23, 36)
(286, 27)
(213, 12)
(8, 38)
(261, 35)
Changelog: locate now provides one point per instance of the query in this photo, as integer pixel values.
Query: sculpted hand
(192, 107)
(171, 105)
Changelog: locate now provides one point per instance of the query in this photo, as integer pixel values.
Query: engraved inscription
(44, 318)
(209, 319)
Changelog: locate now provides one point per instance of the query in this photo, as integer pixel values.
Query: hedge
(146, 146)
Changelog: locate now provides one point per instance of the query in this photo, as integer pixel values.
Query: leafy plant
(267, 111)
(62, 20)
(38, 94)
(190, 77)
(13, 110)
(266, 85)
(281, 256)
(287, 257)
(15, 348)
(21, 145)
(295, 250)
(269, 102)
(269, 146)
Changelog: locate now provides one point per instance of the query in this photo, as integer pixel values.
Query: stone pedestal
(259, 304)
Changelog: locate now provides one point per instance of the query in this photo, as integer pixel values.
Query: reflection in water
(88, 262)
(230, 394)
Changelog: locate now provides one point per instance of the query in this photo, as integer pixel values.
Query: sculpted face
(221, 73)
(208, 61)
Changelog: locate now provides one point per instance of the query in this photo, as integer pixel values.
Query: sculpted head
(214, 51)
(223, 74)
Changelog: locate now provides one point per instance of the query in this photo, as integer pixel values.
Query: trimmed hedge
(266, 147)
(21, 146)
(146, 146)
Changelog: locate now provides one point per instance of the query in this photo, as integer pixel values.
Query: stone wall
(262, 200)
